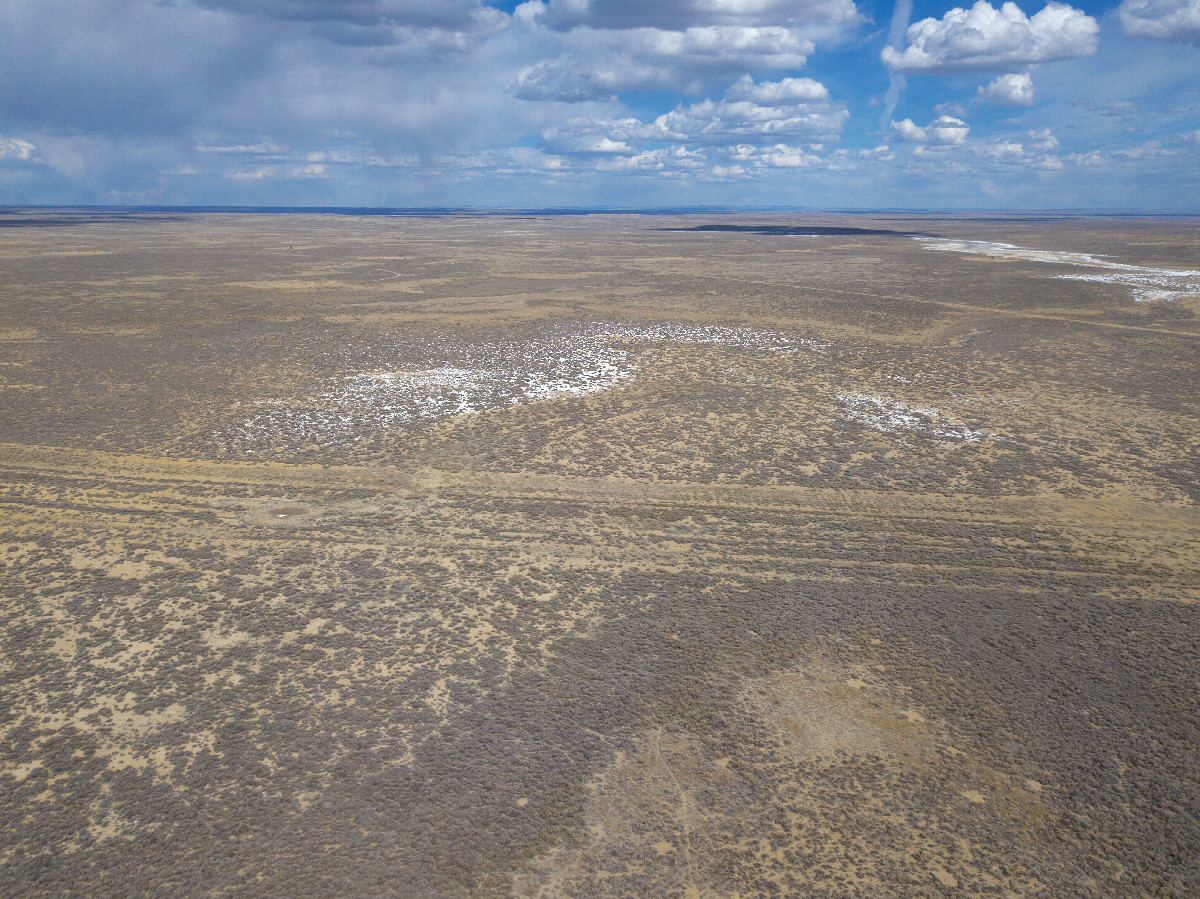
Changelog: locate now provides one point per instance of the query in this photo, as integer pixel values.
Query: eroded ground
(599, 556)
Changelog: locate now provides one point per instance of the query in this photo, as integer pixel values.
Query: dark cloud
(442, 25)
(1169, 20)
(114, 67)
(380, 16)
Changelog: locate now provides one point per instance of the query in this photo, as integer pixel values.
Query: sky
(834, 104)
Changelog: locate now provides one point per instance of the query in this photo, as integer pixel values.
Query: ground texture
(599, 556)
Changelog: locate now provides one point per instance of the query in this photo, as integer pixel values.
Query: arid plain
(599, 556)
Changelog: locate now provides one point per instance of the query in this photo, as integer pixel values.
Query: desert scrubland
(599, 556)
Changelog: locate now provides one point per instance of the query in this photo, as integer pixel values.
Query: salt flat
(599, 556)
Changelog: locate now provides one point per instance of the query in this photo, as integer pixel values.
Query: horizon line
(400, 211)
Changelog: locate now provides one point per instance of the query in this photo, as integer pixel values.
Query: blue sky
(625, 103)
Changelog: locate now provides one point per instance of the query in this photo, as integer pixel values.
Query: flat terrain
(599, 556)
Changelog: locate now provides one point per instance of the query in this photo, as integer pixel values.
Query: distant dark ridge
(417, 211)
(47, 219)
(800, 230)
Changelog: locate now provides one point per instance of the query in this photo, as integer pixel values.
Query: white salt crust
(1146, 284)
(890, 417)
(566, 362)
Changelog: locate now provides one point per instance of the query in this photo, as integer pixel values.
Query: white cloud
(1003, 150)
(810, 115)
(681, 14)
(726, 172)
(1172, 20)
(562, 80)
(598, 64)
(793, 108)
(984, 38)
(774, 45)
(662, 160)
(15, 148)
(882, 153)
(609, 46)
(947, 130)
(779, 156)
(1009, 90)
(942, 131)
(950, 153)
(750, 113)
(754, 128)
(907, 129)
(563, 142)
(789, 91)
(267, 172)
(261, 148)
(1043, 140)
(782, 156)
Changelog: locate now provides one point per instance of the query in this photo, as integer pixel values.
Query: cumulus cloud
(778, 156)
(560, 79)
(610, 46)
(662, 160)
(754, 127)
(908, 130)
(1006, 153)
(788, 92)
(882, 153)
(942, 131)
(681, 14)
(793, 108)
(984, 38)
(1043, 140)
(1172, 20)
(581, 138)
(1009, 90)
(602, 63)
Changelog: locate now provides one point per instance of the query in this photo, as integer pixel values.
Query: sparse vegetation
(873, 573)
